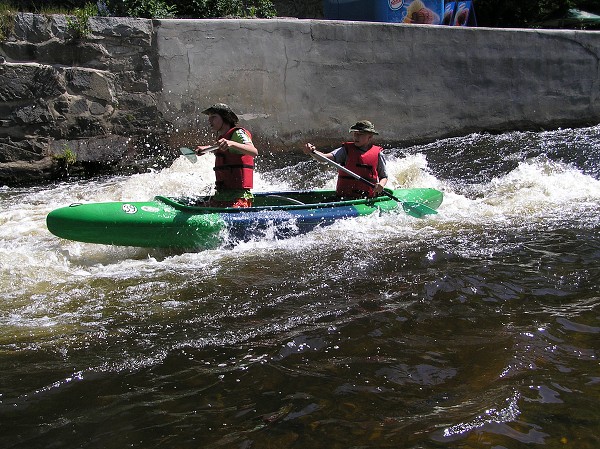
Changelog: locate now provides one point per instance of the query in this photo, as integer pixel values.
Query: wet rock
(109, 149)
(92, 83)
(33, 114)
(21, 151)
(29, 82)
(26, 173)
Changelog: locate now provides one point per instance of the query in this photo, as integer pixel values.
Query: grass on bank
(77, 18)
(7, 20)
(8, 7)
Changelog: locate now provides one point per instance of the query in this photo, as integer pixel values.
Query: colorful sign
(449, 11)
(420, 12)
(464, 15)
(395, 4)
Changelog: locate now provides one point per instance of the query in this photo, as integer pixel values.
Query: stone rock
(105, 149)
(87, 126)
(33, 28)
(21, 150)
(135, 30)
(97, 109)
(29, 82)
(25, 173)
(76, 92)
(56, 52)
(147, 64)
(91, 83)
(78, 106)
(33, 114)
(132, 82)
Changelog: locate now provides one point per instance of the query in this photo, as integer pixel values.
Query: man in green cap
(234, 160)
(360, 156)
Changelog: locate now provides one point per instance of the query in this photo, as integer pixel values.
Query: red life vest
(364, 165)
(234, 171)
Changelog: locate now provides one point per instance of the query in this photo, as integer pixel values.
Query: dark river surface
(478, 327)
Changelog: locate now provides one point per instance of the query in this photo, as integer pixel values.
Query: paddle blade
(189, 153)
(417, 210)
(412, 208)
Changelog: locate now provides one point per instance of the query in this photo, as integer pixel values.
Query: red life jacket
(234, 171)
(364, 165)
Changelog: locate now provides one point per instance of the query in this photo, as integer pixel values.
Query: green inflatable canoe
(181, 223)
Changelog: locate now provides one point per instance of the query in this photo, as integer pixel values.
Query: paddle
(412, 208)
(193, 156)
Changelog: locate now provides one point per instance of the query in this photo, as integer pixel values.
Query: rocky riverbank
(89, 103)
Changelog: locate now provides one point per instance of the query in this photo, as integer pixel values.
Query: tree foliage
(226, 8)
(199, 9)
(522, 13)
(150, 9)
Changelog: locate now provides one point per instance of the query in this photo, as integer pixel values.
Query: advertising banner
(424, 12)
(421, 12)
(464, 14)
(449, 11)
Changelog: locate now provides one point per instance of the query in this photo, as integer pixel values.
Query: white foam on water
(535, 189)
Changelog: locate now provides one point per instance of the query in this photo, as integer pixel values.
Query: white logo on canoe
(129, 208)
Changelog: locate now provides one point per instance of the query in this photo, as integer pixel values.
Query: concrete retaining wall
(299, 80)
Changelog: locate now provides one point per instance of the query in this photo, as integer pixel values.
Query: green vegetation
(519, 13)
(152, 9)
(14, 6)
(155, 9)
(193, 8)
(227, 8)
(67, 158)
(7, 21)
(78, 20)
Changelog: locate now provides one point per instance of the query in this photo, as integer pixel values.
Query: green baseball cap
(363, 126)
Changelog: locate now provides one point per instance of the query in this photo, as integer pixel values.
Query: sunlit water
(475, 328)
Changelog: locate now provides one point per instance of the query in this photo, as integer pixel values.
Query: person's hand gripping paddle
(193, 156)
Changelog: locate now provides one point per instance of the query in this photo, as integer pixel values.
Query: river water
(478, 327)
